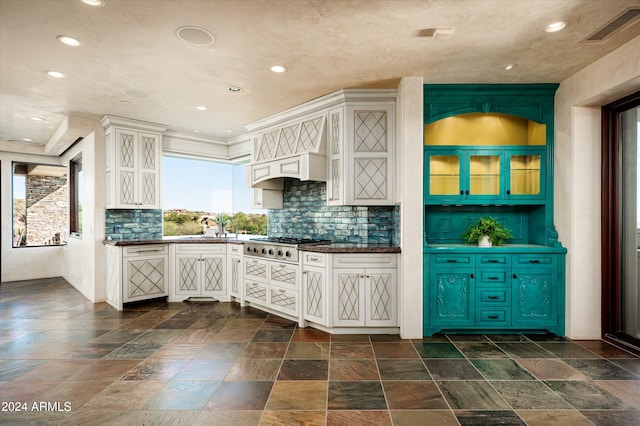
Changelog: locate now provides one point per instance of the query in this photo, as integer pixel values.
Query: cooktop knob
(279, 252)
(271, 251)
(255, 250)
(288, 253)
(264, 251)
(249, 248)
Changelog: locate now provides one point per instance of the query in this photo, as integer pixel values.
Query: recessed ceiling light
(96, 3)
(234, 89)
(229, 131)
(195, 35)
(69, 41)
(201, 108)
(37, 118)
(509, 67)
(54, 74)
(27, 139)
(555, 26)
(277, 68)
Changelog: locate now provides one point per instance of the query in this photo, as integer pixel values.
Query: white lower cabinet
(350, 290)
(136, 273)
(272, 285)
(200, 270)
(234, 270)
(365, 297)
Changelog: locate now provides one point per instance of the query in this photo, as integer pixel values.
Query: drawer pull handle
(534, 261)
(283, 266)
(148, 251)
(282, 290)
(314, 259)
(452, 260)
(493, 317)
(493, 297)
(493, 261)
(493, 278)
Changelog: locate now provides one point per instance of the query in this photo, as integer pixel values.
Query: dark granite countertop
(175, 240)
(351, 248)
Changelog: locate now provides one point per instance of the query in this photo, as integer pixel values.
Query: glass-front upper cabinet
(484, 159)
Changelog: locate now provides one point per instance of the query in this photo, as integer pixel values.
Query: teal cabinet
(495, 292)
(488, 151)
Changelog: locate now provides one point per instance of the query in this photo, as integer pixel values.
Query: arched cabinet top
(531, 101)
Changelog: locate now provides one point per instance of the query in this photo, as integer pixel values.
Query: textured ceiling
(130, 45)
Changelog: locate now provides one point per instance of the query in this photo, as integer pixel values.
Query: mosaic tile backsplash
(133, 224)
(305, 214)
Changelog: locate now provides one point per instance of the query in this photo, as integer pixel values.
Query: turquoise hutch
(488, 151)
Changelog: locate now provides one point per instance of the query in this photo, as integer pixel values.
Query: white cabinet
(136, 273)
(200, 271)
(133, 164)
(364, 290)
(234, 270)
(272, 285)
(266, 198)
(315, 290)
(361, 154)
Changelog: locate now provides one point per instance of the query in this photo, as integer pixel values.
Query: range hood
(296, 150)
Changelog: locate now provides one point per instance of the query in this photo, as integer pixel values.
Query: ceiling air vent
(616, 24)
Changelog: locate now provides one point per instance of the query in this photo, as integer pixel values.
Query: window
(75, 196)
(205, 197)
(39, 204)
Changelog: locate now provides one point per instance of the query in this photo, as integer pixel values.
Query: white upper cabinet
(361, 148)
(133, 163)
(345, 138)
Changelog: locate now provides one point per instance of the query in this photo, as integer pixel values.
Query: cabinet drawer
(283, 300)
(369, 260)
(493, 259)
(485, 297)
(534, 259)
(235, 248)
(453, 259)
(143, 250)
(493, 317)
(255, 292)
(492, 278)
(256, 269)
(201, 248)
(314, 259)
(284, 275)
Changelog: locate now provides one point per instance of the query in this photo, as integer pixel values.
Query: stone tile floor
(64, 360)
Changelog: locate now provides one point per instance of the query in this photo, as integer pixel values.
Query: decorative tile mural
(305, 214)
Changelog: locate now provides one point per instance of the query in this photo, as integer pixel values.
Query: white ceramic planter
(484, 242)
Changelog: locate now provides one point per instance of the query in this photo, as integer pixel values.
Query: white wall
(409, 119)
(81, 261)
(23, 263)
(84, 257)
(577, 177)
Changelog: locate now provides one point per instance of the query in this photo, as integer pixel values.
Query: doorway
(621, 221)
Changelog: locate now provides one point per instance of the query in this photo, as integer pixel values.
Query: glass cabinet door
(525, 175)
(484, 174)
(444, 174)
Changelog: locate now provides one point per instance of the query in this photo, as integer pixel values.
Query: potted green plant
(486, 232)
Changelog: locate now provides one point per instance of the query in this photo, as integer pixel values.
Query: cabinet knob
(508, 191)
(472, 275)
(515, 275)
(462, 192)
(466, 192)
